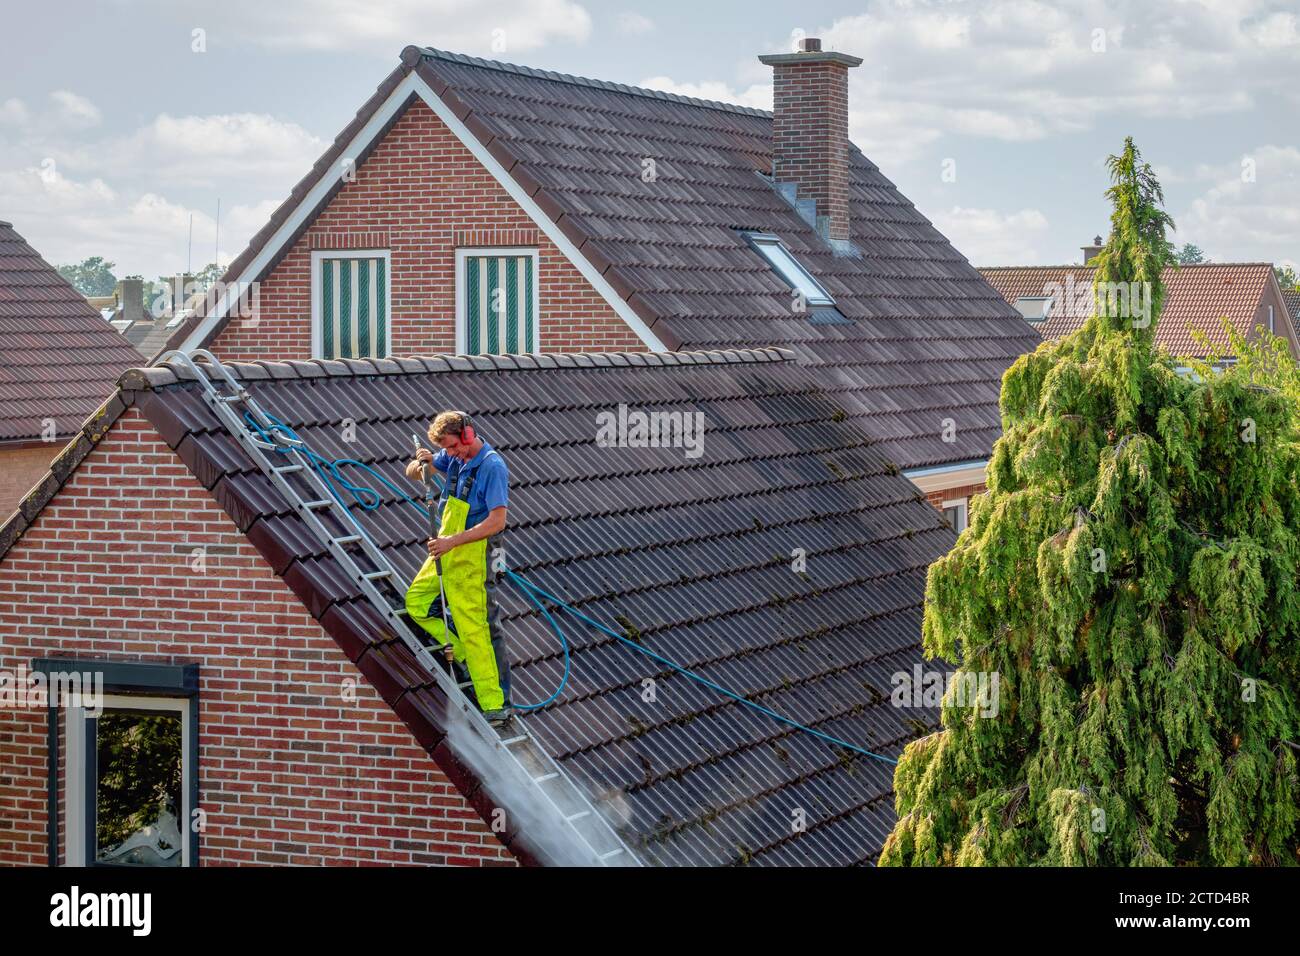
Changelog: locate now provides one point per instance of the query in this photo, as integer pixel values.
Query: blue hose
(369, 499)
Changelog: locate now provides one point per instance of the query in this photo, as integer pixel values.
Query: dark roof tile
(59, 358)
(691, 553)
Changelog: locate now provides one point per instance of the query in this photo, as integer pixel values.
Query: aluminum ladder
(565, 808)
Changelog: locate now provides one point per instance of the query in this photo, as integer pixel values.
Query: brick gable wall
(421, 194)
(291, 771)
(20, 470)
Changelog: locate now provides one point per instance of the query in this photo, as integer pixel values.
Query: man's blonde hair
(447, 423)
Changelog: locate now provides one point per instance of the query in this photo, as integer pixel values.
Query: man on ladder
(471, 514)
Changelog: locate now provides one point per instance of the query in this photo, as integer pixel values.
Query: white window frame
(963, 512)
(1046, 301)
(75, 782)
(467, 252)
(320, 255)
(782, 265)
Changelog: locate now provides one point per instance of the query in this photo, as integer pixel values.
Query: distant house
(149, 325)
(481, 207)
(1056, 300)
(59, 361)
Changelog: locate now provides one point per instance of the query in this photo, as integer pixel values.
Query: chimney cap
(810, 51)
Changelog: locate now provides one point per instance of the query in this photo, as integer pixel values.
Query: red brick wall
(20, 470)
(290, 771)
(937, 498)
(420, 194)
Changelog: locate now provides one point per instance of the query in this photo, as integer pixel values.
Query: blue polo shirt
(491, 482)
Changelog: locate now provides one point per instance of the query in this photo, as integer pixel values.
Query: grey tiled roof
(928, 339)
(59, 359)
(694, 554)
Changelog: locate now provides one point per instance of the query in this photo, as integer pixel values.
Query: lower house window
(350, 295)
(954, 512)
(497, 304)
(129, 789)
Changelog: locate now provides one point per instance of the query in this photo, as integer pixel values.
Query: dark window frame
(124, 678)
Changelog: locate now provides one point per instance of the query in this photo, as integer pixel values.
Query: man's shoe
(499, 717)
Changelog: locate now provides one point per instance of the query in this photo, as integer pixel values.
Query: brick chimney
(131, 292)
(1092, 250)
(810, 130)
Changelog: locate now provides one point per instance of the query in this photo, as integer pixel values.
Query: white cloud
(1023, 70)
(13, 112)
(634, 24)
(76, 193)
(499, 29)
(758, 96)
(204, 151)
(988, 237)
(1247, 213)
(76, 109)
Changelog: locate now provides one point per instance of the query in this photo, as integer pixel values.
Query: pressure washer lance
(448, 652)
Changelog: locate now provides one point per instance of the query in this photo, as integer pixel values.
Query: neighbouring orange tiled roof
(1196, 297)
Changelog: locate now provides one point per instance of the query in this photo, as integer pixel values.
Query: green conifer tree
(1131, 577)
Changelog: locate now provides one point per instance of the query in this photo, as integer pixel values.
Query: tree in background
(1131, 577)
(1189, 255)
(207, 275)
(1286, 277)
(93, 276)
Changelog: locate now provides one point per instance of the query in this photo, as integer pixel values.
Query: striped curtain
(354, 308)
(499, 305)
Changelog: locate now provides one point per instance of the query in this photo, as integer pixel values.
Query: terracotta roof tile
(1197, 297)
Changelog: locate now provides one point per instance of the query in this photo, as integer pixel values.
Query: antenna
(216, 246)
(189, 248)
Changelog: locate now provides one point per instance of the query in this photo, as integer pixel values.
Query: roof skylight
(789, 268)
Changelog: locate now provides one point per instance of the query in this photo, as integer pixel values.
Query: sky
(121, 121)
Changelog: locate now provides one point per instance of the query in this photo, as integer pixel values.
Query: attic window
(1034, 308)
(497, 301)
(789, 268)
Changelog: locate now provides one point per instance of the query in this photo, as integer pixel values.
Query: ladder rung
(468, 683)
(606, 856)
(545, 777)
(347, 539)
(375, 575)
(237, 397)
(578, 816)
(322, 503)
(285, 469)
(514, 740)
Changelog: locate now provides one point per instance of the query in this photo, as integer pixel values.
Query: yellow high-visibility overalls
(469, 584)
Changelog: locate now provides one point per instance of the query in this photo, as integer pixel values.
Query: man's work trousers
(469, 584)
